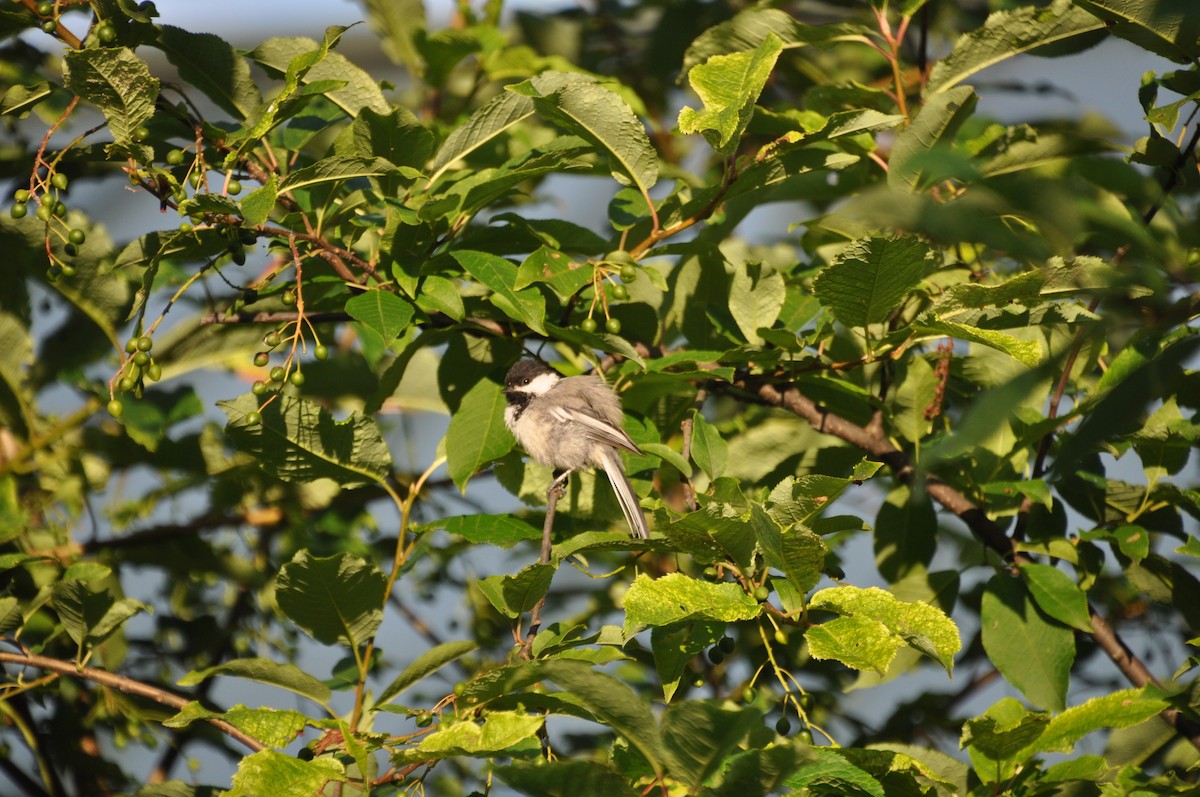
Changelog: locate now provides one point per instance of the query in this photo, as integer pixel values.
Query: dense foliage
(968, 343)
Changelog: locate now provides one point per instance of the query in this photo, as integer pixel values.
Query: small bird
(572, 422)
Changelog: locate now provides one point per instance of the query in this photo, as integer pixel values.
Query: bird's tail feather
(626, 497)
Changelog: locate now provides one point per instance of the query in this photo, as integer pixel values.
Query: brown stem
(123, 684)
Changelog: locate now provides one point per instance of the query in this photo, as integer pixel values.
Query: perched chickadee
(571, 423)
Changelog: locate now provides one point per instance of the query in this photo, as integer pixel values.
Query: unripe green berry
(141, 133)
(141, 358)
(804, 736)
(45, 210)
(68, 270)
(131, 345)
(126, 384)
(77, 236)
(186, 227)
(277, 373)
(60, 209)
(144, 343)
(620, 292)
(261, 359)
(272, 338)
(628, 273)
(588, 324)
(175, 157)
(116, 408)
(761, 593)
(613, 326)
(19, 210)
(424, 719)
(49, 26)
(297, 378)
(21, 195)
(253, 418)
(45, 9)
(59, 181)
(107, 34)
(154, 372)
(258, 388)
(289, 299)
(234, 188)
(321, 352)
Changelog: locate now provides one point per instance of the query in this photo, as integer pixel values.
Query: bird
(571, 423)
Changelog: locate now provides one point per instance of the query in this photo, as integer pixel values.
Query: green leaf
(709, 451)
(477, 434)
(437, 294)
(923, 627)
(1033, 652)
(748, 29)
(334, 599)
(1120, 709)
(397, 137)
(756, 295)
(675, 646)
(567, 777)
(1027, 352)
(397, 22)
(871, 277)
(527, 306)
(906, 530)
(796, 551)
(492, 119)
(699, 736)
(833, 771)
(334, 169)
(426, 664)
(210, 64)
(1166, 27)
(285, 675)
(860, 643)
(612, 703)
(118, 83)
(297, 440)
(271, 772)
(504, 531)
(586, 108)
(382, 311)
(353, 89)
(20, 99)
(675, 598)
(514, 595)
(1004, 730)
(89, 617)
(1005, 34)
(273, 727)
(1057, 595)
(729, 85)
(500, 732)
(933, 129)
(257, 206)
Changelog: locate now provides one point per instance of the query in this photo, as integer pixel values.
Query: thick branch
(123, 684)
(871, 440)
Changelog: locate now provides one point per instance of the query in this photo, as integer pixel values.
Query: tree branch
(872, 441)
(123, 684)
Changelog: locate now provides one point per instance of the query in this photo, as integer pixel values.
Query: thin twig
(126, 685)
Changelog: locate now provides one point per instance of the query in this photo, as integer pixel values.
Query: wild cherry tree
(970, 345)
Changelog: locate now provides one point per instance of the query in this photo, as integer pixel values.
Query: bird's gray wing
(596, 429)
